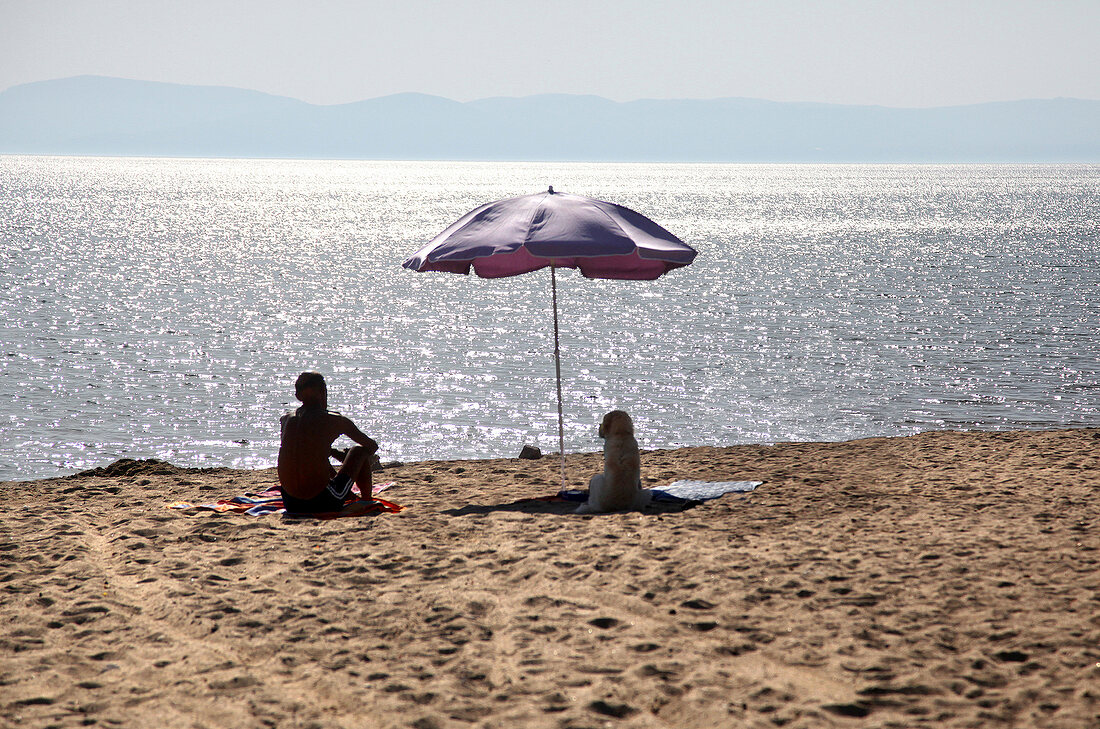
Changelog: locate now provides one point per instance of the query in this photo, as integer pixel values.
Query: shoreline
(112, 468)
(943, 579)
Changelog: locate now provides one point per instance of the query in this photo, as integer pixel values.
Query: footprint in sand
(703, 627)
(618, 711)
(697, 604)
(851, 711)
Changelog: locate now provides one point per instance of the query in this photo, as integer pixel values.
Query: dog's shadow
(562, 507)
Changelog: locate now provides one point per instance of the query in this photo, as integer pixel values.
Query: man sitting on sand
(308, 482)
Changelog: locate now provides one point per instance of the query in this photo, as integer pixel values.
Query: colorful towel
(682, 492)
(271, 502)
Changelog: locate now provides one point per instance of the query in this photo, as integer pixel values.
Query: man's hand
(338, 455)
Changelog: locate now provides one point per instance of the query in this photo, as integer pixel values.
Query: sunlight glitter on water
(162, 308)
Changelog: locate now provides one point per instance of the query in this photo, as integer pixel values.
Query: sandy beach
(945, 580)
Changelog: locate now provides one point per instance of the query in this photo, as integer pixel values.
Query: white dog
(619, 487)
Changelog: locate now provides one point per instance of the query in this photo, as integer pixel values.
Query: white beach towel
(705, 490)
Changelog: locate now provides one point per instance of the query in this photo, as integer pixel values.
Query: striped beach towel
(271, 502)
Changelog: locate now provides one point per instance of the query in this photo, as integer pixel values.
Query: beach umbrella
(554, 230)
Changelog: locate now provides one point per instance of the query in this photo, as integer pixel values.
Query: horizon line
(516, 161)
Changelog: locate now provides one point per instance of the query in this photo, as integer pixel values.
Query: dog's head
(616, 422)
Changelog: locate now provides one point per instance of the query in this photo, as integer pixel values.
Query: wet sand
(943, 580)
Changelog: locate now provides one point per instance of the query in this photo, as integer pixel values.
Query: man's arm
(359, 436)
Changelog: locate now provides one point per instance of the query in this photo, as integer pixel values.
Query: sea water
(161, 308)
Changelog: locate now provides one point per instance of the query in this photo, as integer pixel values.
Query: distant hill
(92, 115)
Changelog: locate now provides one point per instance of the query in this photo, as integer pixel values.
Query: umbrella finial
(551, 190)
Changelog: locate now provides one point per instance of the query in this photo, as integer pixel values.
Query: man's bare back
(307, 437)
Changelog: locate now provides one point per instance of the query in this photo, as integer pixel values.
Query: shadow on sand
(562, 507)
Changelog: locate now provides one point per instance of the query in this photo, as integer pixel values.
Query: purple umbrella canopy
(559, 230)
(524, 234)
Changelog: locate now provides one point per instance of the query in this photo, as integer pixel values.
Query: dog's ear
(603, 425)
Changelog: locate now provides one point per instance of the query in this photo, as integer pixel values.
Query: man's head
(310, 388)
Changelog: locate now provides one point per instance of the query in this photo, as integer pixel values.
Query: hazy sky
(890, 52)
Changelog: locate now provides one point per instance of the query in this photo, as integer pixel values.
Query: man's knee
(358, 457)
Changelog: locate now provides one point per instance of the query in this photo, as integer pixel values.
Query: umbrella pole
(557, 370)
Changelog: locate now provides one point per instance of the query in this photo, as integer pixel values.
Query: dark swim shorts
(331, 498)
